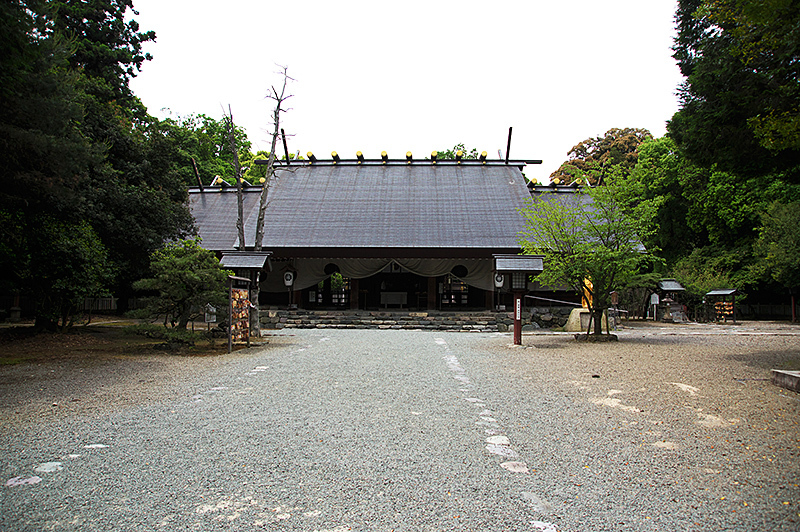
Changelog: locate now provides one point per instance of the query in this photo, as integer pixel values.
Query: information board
(240, 315)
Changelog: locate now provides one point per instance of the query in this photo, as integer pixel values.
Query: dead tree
(279, 98)
(237, 174)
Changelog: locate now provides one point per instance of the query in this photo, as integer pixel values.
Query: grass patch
(19, 345)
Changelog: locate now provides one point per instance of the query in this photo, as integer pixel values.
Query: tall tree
(237, 176)
(740, 102)
(279, 97)
(735, 135)
(78, 147)
(778, 246)
(592, 158)
(107, 47)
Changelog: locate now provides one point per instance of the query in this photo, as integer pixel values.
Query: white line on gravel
(496, 442)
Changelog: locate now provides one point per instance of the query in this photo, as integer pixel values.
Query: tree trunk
(183, 321)
(276, 120)
(237, 175)
(597, 315)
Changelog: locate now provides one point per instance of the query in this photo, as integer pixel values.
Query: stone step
(434, 320)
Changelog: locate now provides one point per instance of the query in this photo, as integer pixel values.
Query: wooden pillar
(489, 299)
(432, 293)
(518, 317)
(353, 294)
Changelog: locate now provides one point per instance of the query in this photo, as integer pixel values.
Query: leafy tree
(68, 263)
(670, 184)
(740, 101)
(592, 158)
(451, 153)
(77, 146)
(590, 240)
(708, 220)
(204, 139)
(712, 267)
(186, 277)
(107, 48)
(778, 245)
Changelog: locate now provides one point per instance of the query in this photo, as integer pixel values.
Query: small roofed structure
(670, 286)
(672, 311)
(724, 303)
(360, 233)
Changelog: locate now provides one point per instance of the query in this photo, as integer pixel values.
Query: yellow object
(586, 300)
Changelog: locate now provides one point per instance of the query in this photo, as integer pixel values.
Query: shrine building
(417, 234)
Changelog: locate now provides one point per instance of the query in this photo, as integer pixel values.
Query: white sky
(417, 75)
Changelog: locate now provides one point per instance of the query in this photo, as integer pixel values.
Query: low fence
(99, 304)
(778, 312)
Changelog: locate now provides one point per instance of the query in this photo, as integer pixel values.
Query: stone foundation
(363, 319)
(550, 317)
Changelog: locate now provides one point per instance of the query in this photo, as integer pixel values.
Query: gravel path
(672, 428)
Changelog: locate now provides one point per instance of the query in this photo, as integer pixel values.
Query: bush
(174, 338)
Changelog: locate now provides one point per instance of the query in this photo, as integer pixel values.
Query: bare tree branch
(280, 98)
(237, 174)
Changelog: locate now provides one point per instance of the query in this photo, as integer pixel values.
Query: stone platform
(465, 321)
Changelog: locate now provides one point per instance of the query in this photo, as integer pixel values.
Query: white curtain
(309, 272)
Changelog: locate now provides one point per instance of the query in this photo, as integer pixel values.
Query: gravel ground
(672, 428)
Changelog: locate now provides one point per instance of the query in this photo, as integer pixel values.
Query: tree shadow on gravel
(24, 345)
(786, 360)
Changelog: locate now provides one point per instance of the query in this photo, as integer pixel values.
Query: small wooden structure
(723, 307)
(238, 312)
(672, 310)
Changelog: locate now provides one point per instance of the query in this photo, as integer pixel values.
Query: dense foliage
(450, 154)
(592, 159)
(724, 184)
(84, 165)
(731, 166)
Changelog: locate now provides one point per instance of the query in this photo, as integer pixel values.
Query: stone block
(786, 379)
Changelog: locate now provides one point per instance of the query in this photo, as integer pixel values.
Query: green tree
(590, 240)
(592, 158)
(707, 219)
(778, 246)
(67, 263)
(77, 145)
(741, 101)
(450, 154)
(670, 184)
(187, 278)
(107, 47)
(204, 139)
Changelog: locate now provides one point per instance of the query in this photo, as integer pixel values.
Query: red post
(518, 317)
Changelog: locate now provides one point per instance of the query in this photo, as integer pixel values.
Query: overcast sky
(417, 75)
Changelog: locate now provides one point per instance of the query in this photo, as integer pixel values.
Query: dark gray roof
(723, 292)
(374, 206)
(215, 211)
(244, 259)
(670, 285)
